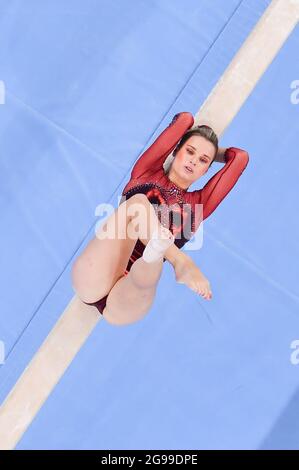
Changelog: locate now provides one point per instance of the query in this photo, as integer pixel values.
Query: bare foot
(160, 241)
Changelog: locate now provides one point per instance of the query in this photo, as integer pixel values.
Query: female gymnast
(118, 275)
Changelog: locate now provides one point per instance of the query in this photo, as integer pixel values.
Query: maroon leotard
(148, 177)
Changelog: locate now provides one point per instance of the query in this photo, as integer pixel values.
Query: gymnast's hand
(186, 272)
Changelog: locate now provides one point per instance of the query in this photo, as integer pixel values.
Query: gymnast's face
(192, 160)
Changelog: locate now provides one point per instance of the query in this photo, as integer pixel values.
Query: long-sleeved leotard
(179, 206)
(148, 177)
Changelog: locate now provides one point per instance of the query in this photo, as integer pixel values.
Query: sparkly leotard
(179, 212)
